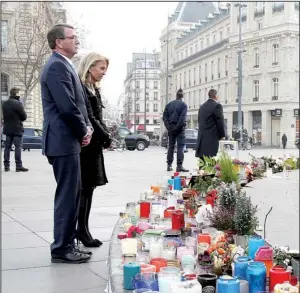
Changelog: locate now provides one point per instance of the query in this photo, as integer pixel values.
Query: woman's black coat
(92, 160)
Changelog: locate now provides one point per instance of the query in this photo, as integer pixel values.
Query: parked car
(190, 139)
(32, 138)
(133, 140)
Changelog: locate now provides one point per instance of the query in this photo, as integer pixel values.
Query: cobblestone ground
(27, 217)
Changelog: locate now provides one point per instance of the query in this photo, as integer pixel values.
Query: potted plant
(222, 218)
(228, 171)
(281, 257)
(205, 263)
(227, 194)
(245, 219)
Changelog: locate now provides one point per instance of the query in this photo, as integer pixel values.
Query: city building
(24, 49)
(142, 93)
(207, 57)
(184, 18)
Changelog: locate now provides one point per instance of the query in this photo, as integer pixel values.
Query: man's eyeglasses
(70, 38)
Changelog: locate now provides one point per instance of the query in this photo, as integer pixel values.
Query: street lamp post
(240, 70)
(134, 91)
(167, 65)
(145, 115)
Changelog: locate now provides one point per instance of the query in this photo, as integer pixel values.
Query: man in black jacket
(211, 126)
(13, 116)
(174, 118)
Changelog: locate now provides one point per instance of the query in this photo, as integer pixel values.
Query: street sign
(276, 112)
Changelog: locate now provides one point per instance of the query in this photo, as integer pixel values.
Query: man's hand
(87, 138)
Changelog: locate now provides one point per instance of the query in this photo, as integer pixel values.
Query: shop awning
(141, 127)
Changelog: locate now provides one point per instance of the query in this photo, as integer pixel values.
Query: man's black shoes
(71, 258)
(22, 169)
(181, 169)
(6, 169)
(169, 168)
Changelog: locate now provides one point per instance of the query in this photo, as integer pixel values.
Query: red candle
(168, 212)
(177, 220)
(204, 238)
(145, 207)
(278, 275)
(158, 263)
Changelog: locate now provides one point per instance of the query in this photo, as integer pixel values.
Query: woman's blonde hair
(86, 63)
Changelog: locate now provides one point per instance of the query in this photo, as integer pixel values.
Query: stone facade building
(134, 103)
(206, 58)
(24, 50)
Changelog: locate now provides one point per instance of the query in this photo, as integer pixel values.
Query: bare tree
(28, 47)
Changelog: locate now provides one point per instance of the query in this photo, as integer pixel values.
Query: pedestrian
(174, 118)
(66, 129)
(211, 126)
(284, 140)
(13, 117)
(91, 70)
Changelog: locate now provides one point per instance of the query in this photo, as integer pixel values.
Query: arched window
(256, 89)
(4, 86)
(256, 57)
(275, 89)
(275, 53)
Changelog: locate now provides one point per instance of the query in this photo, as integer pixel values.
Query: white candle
(129, 246)
(155, 250)
(168, 254)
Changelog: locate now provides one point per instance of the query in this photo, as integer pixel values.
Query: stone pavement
(27, 217)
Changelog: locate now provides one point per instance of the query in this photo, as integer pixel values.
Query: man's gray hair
(14, 91)
(55, 33)
(212, 93)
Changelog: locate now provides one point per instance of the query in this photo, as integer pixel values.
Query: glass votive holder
(127, 258)
(183, 250)
(143, 257)
(145, 281)
(166, 277)
(188, 263)
(169, 253)
(147, 268)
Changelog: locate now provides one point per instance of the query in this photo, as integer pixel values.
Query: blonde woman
(91, 70)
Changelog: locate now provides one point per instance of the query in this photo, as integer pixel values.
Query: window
(189, 78)
(155, 121)
(137, 84)
(123, 132)
(275, 52)
(155, 107)
(275, 89)
(207, 42)
(186, 53)
(278, 7)
(256, 90)
(212, 68)
(200, 74)
(214, 39)
(181, 55)
(192, 101)
(228, 31)
(194, 76)
(191, 51)
(179, 81)
(198, 101)
(256, 58)
(156, 84)
(147, 121)
(184, 79)
(259, 9)
(137, 120)
(147, 107)
(226, 65)
(4, 36)
(147, 84)
(205, 72)
(219, 64)
(4, 85)
(155, 96)
(226, 92)
(221, 35)
(201, 45)
(196, 47)
(259, 25)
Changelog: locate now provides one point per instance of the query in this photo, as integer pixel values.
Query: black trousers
(180, 139)
(67, 174)
(17, 140)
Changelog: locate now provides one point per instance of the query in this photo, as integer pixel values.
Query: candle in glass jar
(155, 250)
(146, 268)
(186, 287)
(168, 254)
(183, 250)
(129, 246)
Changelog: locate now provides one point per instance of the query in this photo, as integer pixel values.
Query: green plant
(207, 164)
(203, 183)
(227, 195)
(245, 215)
(280, 257)
(290, 163)
(229, 173)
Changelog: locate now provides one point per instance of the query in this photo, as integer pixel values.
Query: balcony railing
(259, 12)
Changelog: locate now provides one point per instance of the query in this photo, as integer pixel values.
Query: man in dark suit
(66, 129)
(13, 115)
(211, 126)
(174, 118)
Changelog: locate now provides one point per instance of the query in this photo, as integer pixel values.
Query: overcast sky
(116, 30)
